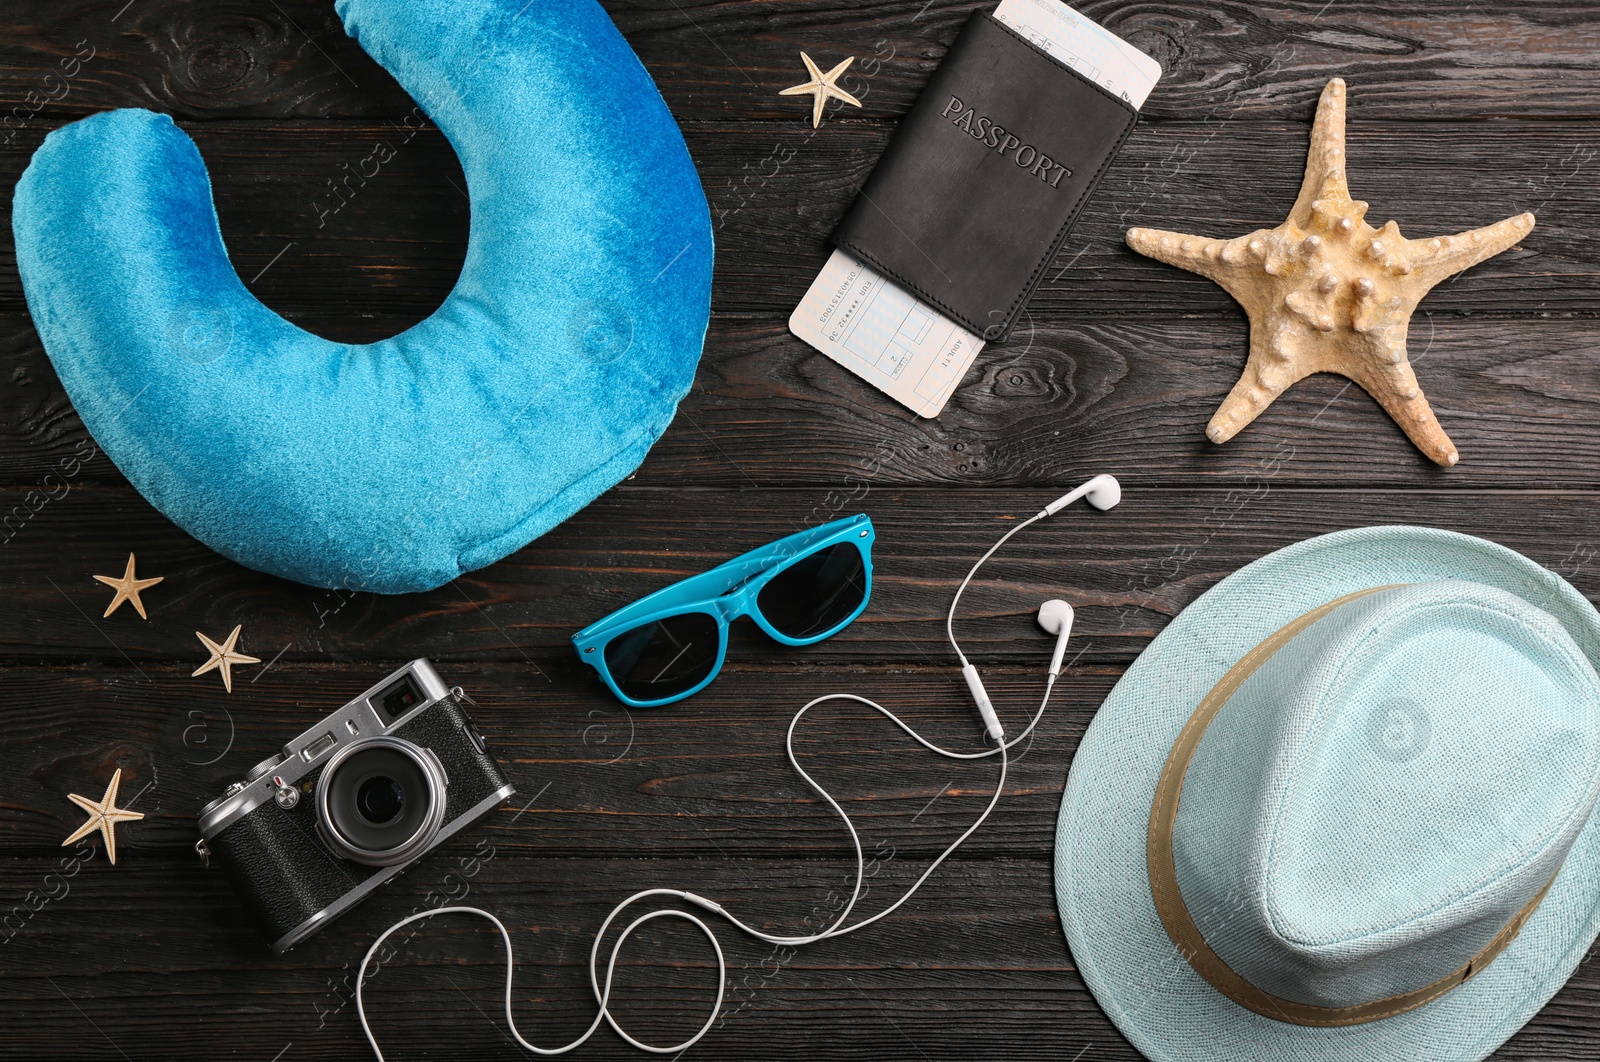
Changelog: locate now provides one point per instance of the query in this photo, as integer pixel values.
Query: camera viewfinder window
(398, 699)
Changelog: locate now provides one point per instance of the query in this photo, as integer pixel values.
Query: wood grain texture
(705, 780)
(718, 60)
(1460, 114)
(1131, 396)
(973, 968)
(981, 939)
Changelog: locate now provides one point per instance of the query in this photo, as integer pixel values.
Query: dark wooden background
(1461, 113)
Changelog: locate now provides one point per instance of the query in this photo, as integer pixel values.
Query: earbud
(1055, 616)
(1102, 492)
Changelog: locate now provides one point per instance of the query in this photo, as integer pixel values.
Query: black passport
(984, 178)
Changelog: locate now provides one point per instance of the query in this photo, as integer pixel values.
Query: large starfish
(1326, 292)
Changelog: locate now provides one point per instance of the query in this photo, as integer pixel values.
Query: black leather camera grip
(281, 869)
(984, 177)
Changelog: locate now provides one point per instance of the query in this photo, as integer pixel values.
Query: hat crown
(1387, 791)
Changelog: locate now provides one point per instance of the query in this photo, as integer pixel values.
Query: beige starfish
(822, 88)
(127, 589)
(1326, 292)
(103, 816)
(223, 656)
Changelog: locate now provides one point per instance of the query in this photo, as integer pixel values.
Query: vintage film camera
(351, 803)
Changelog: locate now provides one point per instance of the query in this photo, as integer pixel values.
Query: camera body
(351, 803)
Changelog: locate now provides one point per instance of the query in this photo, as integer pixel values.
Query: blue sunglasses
(670, 645)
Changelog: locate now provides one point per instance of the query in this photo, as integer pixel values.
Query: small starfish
(127, 589)
(1326, 292)
(223, 656)
(103, 816)
(822, 88)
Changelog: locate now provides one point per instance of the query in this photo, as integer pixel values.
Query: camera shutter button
(287, 796)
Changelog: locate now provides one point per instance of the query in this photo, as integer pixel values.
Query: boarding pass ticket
(889, 338)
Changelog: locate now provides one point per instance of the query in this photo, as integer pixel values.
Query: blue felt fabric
(542, 380)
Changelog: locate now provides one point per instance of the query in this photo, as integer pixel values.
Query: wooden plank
(713, 60)
(316, 225)
(979, 948)
(1219, 60)
(1132, 397)
(707, 779)
(1128, 571)
(974, 963)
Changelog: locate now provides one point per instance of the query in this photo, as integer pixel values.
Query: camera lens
(380, 801)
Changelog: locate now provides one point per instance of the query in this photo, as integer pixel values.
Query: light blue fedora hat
(1341, 808)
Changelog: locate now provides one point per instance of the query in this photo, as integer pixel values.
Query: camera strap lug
(204, 851)
(458, 695)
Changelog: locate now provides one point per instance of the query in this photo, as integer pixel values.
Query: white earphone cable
(950, 617)
(602, 990)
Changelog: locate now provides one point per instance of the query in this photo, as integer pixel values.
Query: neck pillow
(543, 379)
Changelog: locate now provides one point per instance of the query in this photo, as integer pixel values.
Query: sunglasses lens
(664, 659)
(816, 593)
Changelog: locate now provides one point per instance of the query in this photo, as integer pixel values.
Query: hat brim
(1102, 880)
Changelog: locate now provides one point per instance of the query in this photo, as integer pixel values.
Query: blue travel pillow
(543, 379)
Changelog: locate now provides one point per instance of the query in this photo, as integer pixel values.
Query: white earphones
(1102, 492)
(1055, 616)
